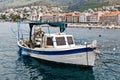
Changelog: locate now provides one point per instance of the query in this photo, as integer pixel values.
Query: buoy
(99, 35)
(90, 28)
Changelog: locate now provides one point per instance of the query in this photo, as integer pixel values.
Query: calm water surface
(107, 65)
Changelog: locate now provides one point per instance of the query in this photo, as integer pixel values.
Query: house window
(60, 41)
(49, 41)
(70, 40)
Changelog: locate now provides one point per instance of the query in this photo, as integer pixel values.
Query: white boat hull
(85, 59)
(77, 55)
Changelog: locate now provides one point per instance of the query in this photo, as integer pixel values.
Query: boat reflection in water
(33, 69)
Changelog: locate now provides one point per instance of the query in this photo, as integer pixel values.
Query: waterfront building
(34, 16)
(83, 18)
(62, 17)
(110, 18)
(47, 17)
(119, 19)
(69, 17)
(94, 17)
(72, 17)
(76, 17)
(40, 16)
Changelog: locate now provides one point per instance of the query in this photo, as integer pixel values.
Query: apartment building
(110, 18)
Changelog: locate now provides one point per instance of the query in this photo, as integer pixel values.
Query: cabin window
(49, 41)
(70, 40)
(60, 41)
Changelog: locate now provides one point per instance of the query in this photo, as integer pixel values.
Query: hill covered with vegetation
(78, 5)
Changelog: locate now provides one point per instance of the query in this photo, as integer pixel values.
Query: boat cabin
(42, 40)
(55, 41)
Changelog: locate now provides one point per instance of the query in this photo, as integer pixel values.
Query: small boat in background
(55, 47)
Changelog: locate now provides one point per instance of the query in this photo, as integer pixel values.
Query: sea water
(15, 67)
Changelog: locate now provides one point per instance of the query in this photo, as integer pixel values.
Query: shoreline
(90, 27)
(78, 25)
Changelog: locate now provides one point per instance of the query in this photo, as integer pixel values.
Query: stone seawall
(78, 25)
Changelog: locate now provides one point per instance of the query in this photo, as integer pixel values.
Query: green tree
(3, 16)
(15, 17)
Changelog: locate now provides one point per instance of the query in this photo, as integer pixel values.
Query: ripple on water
(107, 66)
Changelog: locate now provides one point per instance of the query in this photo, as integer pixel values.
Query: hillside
(70, 4)
(86, 5)
(5, 4)
(81, 5)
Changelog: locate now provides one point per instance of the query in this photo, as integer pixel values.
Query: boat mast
(18, 31)
(30, 34)
(49, 30)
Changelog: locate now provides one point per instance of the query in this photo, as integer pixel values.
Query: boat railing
(23, 43)
(81, 41)
(23, 33)
(43, 43)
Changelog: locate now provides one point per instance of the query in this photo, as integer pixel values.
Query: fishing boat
(55, 47)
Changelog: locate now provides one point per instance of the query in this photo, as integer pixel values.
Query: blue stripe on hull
(73, 51)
